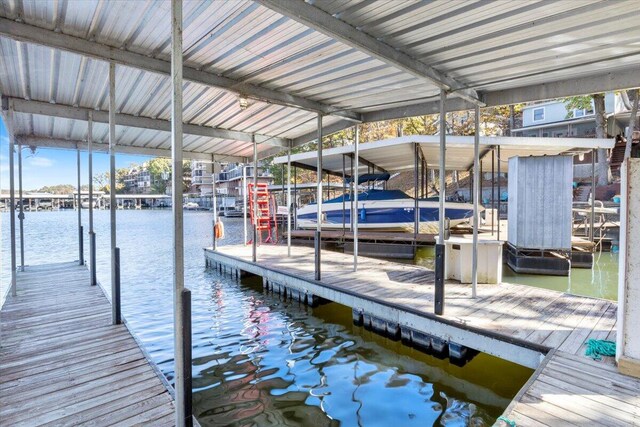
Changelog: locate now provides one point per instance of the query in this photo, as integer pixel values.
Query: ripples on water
(259, 360)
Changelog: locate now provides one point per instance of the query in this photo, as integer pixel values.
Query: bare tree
(630, 100)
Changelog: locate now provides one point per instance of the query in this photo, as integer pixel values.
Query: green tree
(585, 102)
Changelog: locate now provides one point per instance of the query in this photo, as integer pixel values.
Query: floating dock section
(63, 362)
(538, 328)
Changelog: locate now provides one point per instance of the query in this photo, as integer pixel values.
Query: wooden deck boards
(568, 389)
(540, 316)
(63, 363)
(572, 390)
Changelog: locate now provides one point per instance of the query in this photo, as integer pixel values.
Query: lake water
(258, 360)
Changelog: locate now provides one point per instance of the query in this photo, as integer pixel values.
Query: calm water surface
(599, 282)
(258, 360)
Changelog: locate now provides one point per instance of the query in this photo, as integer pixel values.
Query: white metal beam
(31, 34)
(78, 113)
(321, 21)
(69, 144)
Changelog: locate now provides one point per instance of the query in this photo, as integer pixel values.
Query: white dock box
(540, 202)
(458, 260)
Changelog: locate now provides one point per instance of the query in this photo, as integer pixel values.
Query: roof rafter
(79, 113)
(319, 20)
(31, 34)
(72, 144)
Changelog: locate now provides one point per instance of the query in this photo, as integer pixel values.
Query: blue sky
(50, 166)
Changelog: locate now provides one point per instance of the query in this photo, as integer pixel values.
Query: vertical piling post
(115, 295)
(499, 160)
(290, 211)
(254, 207)
(592, 216)
(214, 202)
(181, 361)
(476, 215)
(80, 229)
(354, 214)
(12, 197)
(440, 247)
(493, 187)
(92, 234)
(344, 194)
(186, 350)
(115, 262)
(416, 205)
(21, 214)
(295, 196)
(318, 235)
(244, 203)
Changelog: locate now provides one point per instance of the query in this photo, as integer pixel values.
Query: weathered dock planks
(63, 363)
(567, 387)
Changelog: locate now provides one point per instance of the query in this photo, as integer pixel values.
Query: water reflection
(259, 360)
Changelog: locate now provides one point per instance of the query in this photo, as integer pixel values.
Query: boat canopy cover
(371, 195)
(370, 177)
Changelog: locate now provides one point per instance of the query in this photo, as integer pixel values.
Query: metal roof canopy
(350, 60)
(397, 154)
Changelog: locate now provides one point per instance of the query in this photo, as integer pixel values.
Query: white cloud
(39, 162)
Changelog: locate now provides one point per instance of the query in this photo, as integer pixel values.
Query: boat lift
(263, 212)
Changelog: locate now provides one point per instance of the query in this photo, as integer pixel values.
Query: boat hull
(388, 215)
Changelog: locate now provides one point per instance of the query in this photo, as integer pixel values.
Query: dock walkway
(62, 362)
(543, 329)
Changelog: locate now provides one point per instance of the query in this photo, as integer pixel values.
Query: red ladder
(264, 215)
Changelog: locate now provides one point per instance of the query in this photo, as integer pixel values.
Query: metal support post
(344, 194)
(21, 214)
(182, 357)
(254, 245)
(440, 247)
(416, 205)
(295, 196)
(80, 229)
(493, 187)
(356, 170)
(12, 197)
(318, 235)
(245, 197)
(92, 234)
(499, 160)
(214, 203)
(115, 303)
(592, 216)
(115, 263)
(476, 214)
(290, 210)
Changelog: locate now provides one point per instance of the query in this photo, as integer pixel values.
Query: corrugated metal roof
(483, 45)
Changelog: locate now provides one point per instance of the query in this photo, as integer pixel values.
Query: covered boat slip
(227, 81)
(539, 328)
(63, 362)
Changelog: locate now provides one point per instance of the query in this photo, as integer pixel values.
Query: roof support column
(181, 296)
(92, 234)
(440, 247)
(21, 214)
(214, 202)
(254, 206)
(290, 209)
(317, 239)
(416, 198)
(79, 201)
(12, 198)
(244, 202)
(354, 179)
(499, 160)
(116, 316)
(476, 196)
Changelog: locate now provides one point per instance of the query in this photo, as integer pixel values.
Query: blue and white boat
(383, 210)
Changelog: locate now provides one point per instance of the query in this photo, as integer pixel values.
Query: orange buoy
(218, 229)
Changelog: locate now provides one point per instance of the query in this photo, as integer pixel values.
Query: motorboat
(383, 210)
(191, 206)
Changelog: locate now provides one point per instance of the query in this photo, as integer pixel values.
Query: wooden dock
(535, 327)
(62, 362)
